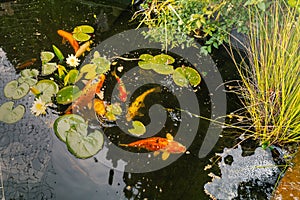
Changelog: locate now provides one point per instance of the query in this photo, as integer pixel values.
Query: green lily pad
(58, 53)
(183, 76)
(84, 146)
(67, 94)
(179, 77)
(102, 64)
(29, 73)
(47, 88)
(90, 70)
(83, 29)
(163, 69)
(46, 56)
(163, 59)
(82, 37)
(159, 63)
(10, 115)
(146, 62)
(66, 123)
(15, 90)
(48, 68)
(113, 110)
(138, 128)
(29, 76)
(71, 77)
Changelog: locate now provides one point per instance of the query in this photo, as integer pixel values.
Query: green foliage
(48, 89)
(9, 114)
(68, 94)
(138, 128)
(80, 33)
(177, 22)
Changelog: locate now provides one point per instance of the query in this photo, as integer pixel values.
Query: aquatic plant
(270, 84)
(178, 22)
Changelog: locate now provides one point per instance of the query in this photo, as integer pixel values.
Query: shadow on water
(36, 165)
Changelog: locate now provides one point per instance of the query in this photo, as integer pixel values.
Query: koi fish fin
(64, 41)
(140, 114)
(90, 105)
(165, 155)
(156, 153)
(169, 137)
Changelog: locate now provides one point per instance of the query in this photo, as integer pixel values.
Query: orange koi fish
(122, 89)
(158, 144)
(138, 103)
(92, 87)
(83, 48)
(68, 36)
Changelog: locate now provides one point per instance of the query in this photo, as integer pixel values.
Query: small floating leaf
(58, 53)
(29, 73)
(103, 65)
(193, 76)
(114, 109)
(146, 61)
(10, 115)
(163, 59)
(46, 56)
(64, 124)
(47, 88)
(163, 69)
(90, 70)
(15, 90)
(180, 78)
(84, 146)
(67, 94)
(48, 68)
(71, 77)
(82, 37)
(138, 128)
(83, 29)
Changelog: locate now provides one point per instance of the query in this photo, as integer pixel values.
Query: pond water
(35, 164)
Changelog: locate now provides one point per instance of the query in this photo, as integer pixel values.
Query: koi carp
(26, 64)
(68, 36)
(83, 48)
(158, 144)
(122, 89)
(92, 87)
(138, 103)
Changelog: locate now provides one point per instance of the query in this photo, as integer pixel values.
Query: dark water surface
(36, 165)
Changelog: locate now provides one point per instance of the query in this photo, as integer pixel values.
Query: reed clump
(270, 79)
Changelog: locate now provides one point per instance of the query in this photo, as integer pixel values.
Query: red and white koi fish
(68, 36)
(158, 144)
(122, 89)
(83, 48)
(85, 100)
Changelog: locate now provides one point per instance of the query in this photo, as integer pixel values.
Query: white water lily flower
(72, 60)
(39, 107)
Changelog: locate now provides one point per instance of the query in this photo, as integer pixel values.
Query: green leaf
(84, 146)
(193, 76)
(48, 68)
(179, 77)
(10, 115)
(114, 109)
(71, 77)
(90, 70)
(66, 123)
(28, 80)
(163, 69)
(47, 88)
(163, 59)
(61, 71)
(58, 53)
(46, 56)
(67, 94)
(138, 128)
(29, 73)
(146, 62)
(15, 90)
(83, 29)
(82, 37)
(102, 64)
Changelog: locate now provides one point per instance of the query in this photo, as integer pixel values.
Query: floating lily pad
(138, 128)
(46, 56)
(67, 94)
(48, 68)
(80, 32)
(163, 59)
(10, 115)
(90, 70)
(58, 53)
(163, 69)
(84, 146)
(182, 76)
(66, 123)
(146, 62)
(29, 73)
(112, 111)
(29, 76)
(102, 64)
(82, 37)
(159, 63)
(15, 90)
(71, 77)
(47, 88)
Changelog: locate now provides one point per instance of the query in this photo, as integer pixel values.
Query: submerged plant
(270, 84)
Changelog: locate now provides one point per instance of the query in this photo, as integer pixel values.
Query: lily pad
(83, 29)
(163, 69)
(68, 94)
(183, 76)
(47, 88)
(15, 90)
(90, 70)
(138, 128)
(83, 146)
(159, 63)
(146, 62)
(48, 68)
(163, 59)
(29, 73)
(67, 123)
(46, 56)
(71, 77)
(112, 111)
(102, 64)
(10, 115)
(193, 76)
(82, 37)
(179, 77)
